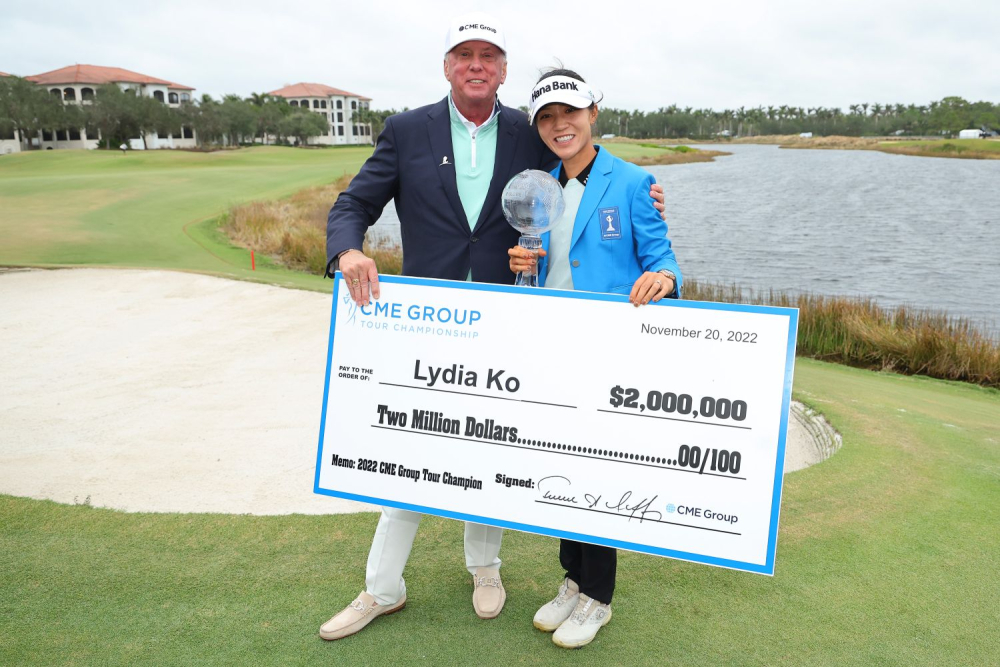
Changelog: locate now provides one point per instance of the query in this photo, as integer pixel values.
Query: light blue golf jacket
(617, 234)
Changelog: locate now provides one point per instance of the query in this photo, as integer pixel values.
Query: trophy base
(529, 278)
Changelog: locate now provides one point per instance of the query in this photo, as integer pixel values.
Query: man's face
(475, 71)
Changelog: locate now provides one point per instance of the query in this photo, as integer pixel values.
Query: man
(445, 165)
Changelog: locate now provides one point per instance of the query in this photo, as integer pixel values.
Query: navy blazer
(408, 166)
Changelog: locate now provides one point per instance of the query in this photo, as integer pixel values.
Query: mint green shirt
(475, 150)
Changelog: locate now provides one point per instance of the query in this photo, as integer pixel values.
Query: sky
(643, 55)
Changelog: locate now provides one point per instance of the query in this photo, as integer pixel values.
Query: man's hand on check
(361, 276)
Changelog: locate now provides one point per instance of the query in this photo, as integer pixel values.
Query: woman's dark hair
(561, 71)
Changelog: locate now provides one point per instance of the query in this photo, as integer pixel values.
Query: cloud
(645, 55)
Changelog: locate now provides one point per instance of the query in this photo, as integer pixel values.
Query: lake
(924, 232)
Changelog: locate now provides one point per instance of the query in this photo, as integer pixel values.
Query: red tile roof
(99, 75)
(313, 90)
(4, 74)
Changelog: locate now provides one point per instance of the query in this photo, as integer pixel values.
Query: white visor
(561, 90)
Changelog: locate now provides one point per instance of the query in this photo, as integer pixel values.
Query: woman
(610, 239)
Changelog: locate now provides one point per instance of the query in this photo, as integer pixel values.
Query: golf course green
(888, 552)
(887, 555)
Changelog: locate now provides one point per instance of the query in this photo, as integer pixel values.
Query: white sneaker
(552, 615)
(582, 625)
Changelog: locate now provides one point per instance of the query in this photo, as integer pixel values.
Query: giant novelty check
(658, 429)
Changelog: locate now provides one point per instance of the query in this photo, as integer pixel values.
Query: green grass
(154, 209)
(629, 151)
(888, 555)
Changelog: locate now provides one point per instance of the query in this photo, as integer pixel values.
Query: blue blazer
(408, 166)
(617, 234)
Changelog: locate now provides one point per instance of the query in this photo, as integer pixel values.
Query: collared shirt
(559, 275)
(475, 149)
(583, 175)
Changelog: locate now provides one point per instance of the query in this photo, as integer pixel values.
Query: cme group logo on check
(414, 318)
(700, 513)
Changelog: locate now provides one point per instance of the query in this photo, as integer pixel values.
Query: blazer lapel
(597, 185)
(507, 132)
(439, 132)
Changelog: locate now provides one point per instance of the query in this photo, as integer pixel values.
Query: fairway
(151, 209)
(159, 209)
(887, 554)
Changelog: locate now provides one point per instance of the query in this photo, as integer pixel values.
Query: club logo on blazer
(611, 226)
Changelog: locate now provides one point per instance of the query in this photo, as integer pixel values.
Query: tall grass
(858, 332)
(292, 231)
(848, 330)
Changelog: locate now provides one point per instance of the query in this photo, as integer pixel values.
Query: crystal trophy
(533, 203)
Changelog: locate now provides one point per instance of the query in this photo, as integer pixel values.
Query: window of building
(185, 97)
(340, 116)
(304, 103)
(322, 104)
(188, 132)
(354, 130)
(92, 132)
(294, 103)
(61, 135)
(368, 130)
(69, 94)
(86, 94)
(47, 134)
(325, 115)
(340, 131)
(340, 104)
(7, 134)
(172, 97)
(315, 104)
(74, 134)
(158, 95)
(354, 104)
(56, 92)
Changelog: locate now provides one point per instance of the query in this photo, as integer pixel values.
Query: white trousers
(391, 547)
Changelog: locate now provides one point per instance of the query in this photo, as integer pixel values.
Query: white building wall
(340, 131)
(90, 143)
(8, 146)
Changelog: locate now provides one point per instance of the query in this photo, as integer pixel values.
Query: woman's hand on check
(651, 286)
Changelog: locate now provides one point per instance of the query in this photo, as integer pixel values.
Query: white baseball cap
(477, 26)
(563, 90)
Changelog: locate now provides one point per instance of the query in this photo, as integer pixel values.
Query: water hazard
(924, 232)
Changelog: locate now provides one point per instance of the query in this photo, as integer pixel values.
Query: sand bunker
(175, 392)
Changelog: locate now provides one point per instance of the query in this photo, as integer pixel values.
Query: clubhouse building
(78, 84)
(338, 107)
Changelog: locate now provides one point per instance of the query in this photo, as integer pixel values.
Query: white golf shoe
(553, 613)
(582, 625)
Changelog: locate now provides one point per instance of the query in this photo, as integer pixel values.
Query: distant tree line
(120, 114)
(946, 117)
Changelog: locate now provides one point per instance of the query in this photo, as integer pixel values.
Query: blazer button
(475, 238)
(576, 263)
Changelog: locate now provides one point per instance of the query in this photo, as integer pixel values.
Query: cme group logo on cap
(476, 26)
